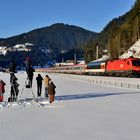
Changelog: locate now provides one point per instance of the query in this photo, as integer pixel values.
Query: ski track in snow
(28, 104)
(24, 103)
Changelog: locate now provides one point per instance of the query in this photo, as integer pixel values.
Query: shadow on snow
(90, 95)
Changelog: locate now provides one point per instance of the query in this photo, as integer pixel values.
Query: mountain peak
(50, 41)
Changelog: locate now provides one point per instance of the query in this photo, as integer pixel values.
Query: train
(129, 67)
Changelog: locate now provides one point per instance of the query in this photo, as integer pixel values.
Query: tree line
(118, 35)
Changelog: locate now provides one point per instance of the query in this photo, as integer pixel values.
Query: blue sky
(19, 16)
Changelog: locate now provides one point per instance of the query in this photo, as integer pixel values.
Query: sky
(20, 16)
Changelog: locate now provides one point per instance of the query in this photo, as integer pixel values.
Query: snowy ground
(82, 110)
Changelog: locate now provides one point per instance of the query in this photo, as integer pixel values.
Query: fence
(104, 81)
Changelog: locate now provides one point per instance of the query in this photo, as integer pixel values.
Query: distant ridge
(56, 35)
(51, 42)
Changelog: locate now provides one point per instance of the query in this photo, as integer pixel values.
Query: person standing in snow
(51, 91)
(14, 88)
(2, 89)
(39, 84)
(46, 82)
(30, 74)
(28, 63)
(12, 68)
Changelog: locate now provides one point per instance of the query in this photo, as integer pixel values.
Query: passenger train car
(122, 67)
(73, 69)
(96, 68)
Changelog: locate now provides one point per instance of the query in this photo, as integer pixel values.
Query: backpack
(28, 85)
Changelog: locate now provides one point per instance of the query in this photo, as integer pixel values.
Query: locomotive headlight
(137, 68)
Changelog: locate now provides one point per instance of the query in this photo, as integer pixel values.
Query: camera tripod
(14, 92)
(28, 88)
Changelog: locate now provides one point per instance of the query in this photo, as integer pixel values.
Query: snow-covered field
(82, 110)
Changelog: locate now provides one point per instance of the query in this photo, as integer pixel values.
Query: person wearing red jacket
(2, 90)
(28, 63)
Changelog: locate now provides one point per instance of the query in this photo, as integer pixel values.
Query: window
(136, 62)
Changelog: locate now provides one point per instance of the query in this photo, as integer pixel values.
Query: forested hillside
(117, 36)
(49, 43)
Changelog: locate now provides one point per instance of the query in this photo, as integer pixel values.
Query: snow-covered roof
(103, 58)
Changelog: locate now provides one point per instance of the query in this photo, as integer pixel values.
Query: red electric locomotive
(123, 67)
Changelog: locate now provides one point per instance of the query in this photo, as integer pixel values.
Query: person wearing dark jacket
(39, 84)
(12, 68)
(30, 74)
(51, 91)
(14, 88)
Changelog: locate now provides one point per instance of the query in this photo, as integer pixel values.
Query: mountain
(117, 36)
(53, 41)
(66, 36)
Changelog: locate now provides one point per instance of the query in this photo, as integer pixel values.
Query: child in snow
(51, 91)
(2, 90)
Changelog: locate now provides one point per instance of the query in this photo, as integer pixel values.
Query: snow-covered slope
(134, 51)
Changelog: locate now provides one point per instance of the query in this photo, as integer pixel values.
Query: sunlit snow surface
(82, 110)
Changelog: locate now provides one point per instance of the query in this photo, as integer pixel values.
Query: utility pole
(97, 52)
(75, 59)
(62, 52)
